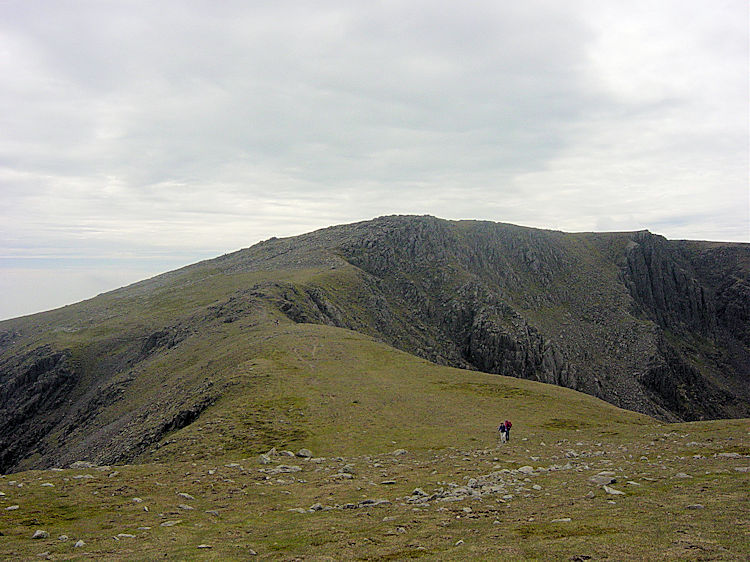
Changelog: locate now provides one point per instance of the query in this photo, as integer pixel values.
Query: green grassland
(354, 402)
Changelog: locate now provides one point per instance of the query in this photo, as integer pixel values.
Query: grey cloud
(158, 127)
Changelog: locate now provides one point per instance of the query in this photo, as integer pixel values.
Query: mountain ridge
(648, 324)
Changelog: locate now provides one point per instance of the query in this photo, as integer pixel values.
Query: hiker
(504, 430)
(503, 434)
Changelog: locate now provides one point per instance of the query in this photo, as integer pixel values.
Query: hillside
(647, 324)
(403, 463)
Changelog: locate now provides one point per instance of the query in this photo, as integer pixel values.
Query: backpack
(508, 425)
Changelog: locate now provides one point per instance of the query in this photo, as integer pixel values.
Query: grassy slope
(344, 395)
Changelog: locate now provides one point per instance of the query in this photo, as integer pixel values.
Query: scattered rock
(282, 468)
(186, 496)
(316, 507)
(83, 464)
(171, 523)
(304, 453)
(298, 510)
(264, 459)
(602, 479)
(590, 495)
(342, 476)
(12, 507)
(204, 546)
(526, 470)
(79, 543)
(48, 485)
(682, 475)
(729, 456)
(399, 452)
(185, 507)
(137, 500)
(62, 538)
(695, 506)
(562, 520)
(125, 536)
(374, 503)
(459, 543)
(39, 534)
(613, 491)
(742, 468)
(388, 482)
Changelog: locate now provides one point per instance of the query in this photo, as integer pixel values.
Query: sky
(140, 136)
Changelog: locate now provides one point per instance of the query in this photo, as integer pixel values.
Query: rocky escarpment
(665, 288)
(632, 318)
(699, 296)
(33, 390)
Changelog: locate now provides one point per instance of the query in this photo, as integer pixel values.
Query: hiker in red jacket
(507, 425)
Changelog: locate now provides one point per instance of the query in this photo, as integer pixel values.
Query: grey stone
(601, 479)
(39, 534)
(83, 464)
(729, 456)
(304, 453)
(79, 543)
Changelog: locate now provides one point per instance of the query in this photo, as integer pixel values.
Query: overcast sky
(136, 137)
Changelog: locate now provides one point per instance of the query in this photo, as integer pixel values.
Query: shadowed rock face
(33, 390)
(648, 324)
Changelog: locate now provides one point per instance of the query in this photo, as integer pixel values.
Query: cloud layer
(177, 130)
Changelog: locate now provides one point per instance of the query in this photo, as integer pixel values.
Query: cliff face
(648, 324)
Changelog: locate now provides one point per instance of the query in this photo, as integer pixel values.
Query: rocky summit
(337, 395)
